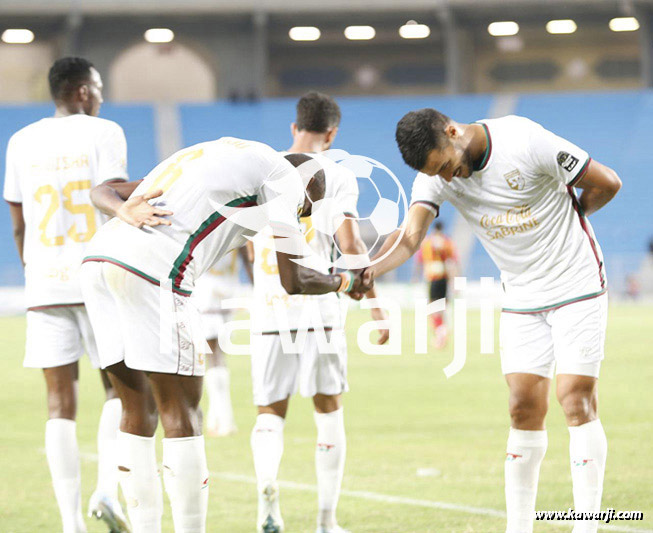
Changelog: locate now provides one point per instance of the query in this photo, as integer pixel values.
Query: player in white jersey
(140, 269)
(318, 372)
(219, 283)
(514, 182)
(52, 165)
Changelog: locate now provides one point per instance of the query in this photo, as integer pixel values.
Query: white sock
(267, 448)
(588, 449)
(218, 387)
(524, 456)
(329, 464)
(140, 483)
(186, 478)
(107, 471)
(63, 459)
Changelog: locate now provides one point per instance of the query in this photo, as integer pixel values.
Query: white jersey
(220, 192)
(52, 165)
(522, 206)
(269, 295)
(218, 283)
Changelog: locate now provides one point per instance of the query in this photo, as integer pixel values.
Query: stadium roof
(44, 7)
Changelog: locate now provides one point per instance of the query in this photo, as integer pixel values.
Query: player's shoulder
(510, 124)
(26, 132)
(514, 135)
(99, 124)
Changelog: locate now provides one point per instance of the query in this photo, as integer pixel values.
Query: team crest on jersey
(515, 180)
(567, 161)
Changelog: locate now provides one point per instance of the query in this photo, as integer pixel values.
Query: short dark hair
(67, 74)
(317, 112)
(418, 132)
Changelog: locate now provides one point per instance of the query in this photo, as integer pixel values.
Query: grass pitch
(412, 434)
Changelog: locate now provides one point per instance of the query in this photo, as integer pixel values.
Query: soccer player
(437, 257)
(219, 283)
(137, 276)
(317, 373)
(514, 182)
(52, 165)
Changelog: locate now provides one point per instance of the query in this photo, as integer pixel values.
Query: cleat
(270, 526)
(108, 511)
(269, 513)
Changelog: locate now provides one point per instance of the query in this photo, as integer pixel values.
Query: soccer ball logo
(382, 205)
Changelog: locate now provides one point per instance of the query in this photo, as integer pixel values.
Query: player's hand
(363, 282)
(138, 212)
(379, 314)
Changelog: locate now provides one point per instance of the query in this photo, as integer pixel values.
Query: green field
(402, 416)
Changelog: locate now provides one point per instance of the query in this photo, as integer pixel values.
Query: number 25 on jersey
(49, 195)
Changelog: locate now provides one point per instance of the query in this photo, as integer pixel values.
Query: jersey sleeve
(427, 192)
(112, 154)
(557, 157)
(12, 191)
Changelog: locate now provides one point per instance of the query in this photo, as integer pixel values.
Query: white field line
(386, 498)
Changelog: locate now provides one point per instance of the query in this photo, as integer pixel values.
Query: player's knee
(526, 412)
(62, 403)
(579, 407)
(181, 422)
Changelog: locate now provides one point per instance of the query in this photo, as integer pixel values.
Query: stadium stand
(613, 127)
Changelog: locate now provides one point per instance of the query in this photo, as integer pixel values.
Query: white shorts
(277, 375)
(125, 311)
(570, 338)
(213, 322)
(59, 336)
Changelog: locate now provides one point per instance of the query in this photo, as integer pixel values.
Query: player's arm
(351, 243)
(114, 199)
(243, 253)
(18, 225)
(404, 246)
(297, 279)
(600, 184)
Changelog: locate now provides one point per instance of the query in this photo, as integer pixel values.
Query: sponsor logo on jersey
(515, 180)
(567, 161)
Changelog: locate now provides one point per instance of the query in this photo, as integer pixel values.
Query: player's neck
(64, 109)
(308, 142)
(477, 142)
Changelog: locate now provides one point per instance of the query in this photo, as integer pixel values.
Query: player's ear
(331, 135)
(451, 131)
(293, 129)
(83, 93)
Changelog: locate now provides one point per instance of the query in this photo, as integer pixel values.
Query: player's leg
(330, 453)
(220, 416)
(185, 472)
(527, 362)
(105, 288)
(274, 379)
(61, 443)
(323, 376)
(53, 345)
(438, 291)
(579, 335)
(136, 449)
(104, 503)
